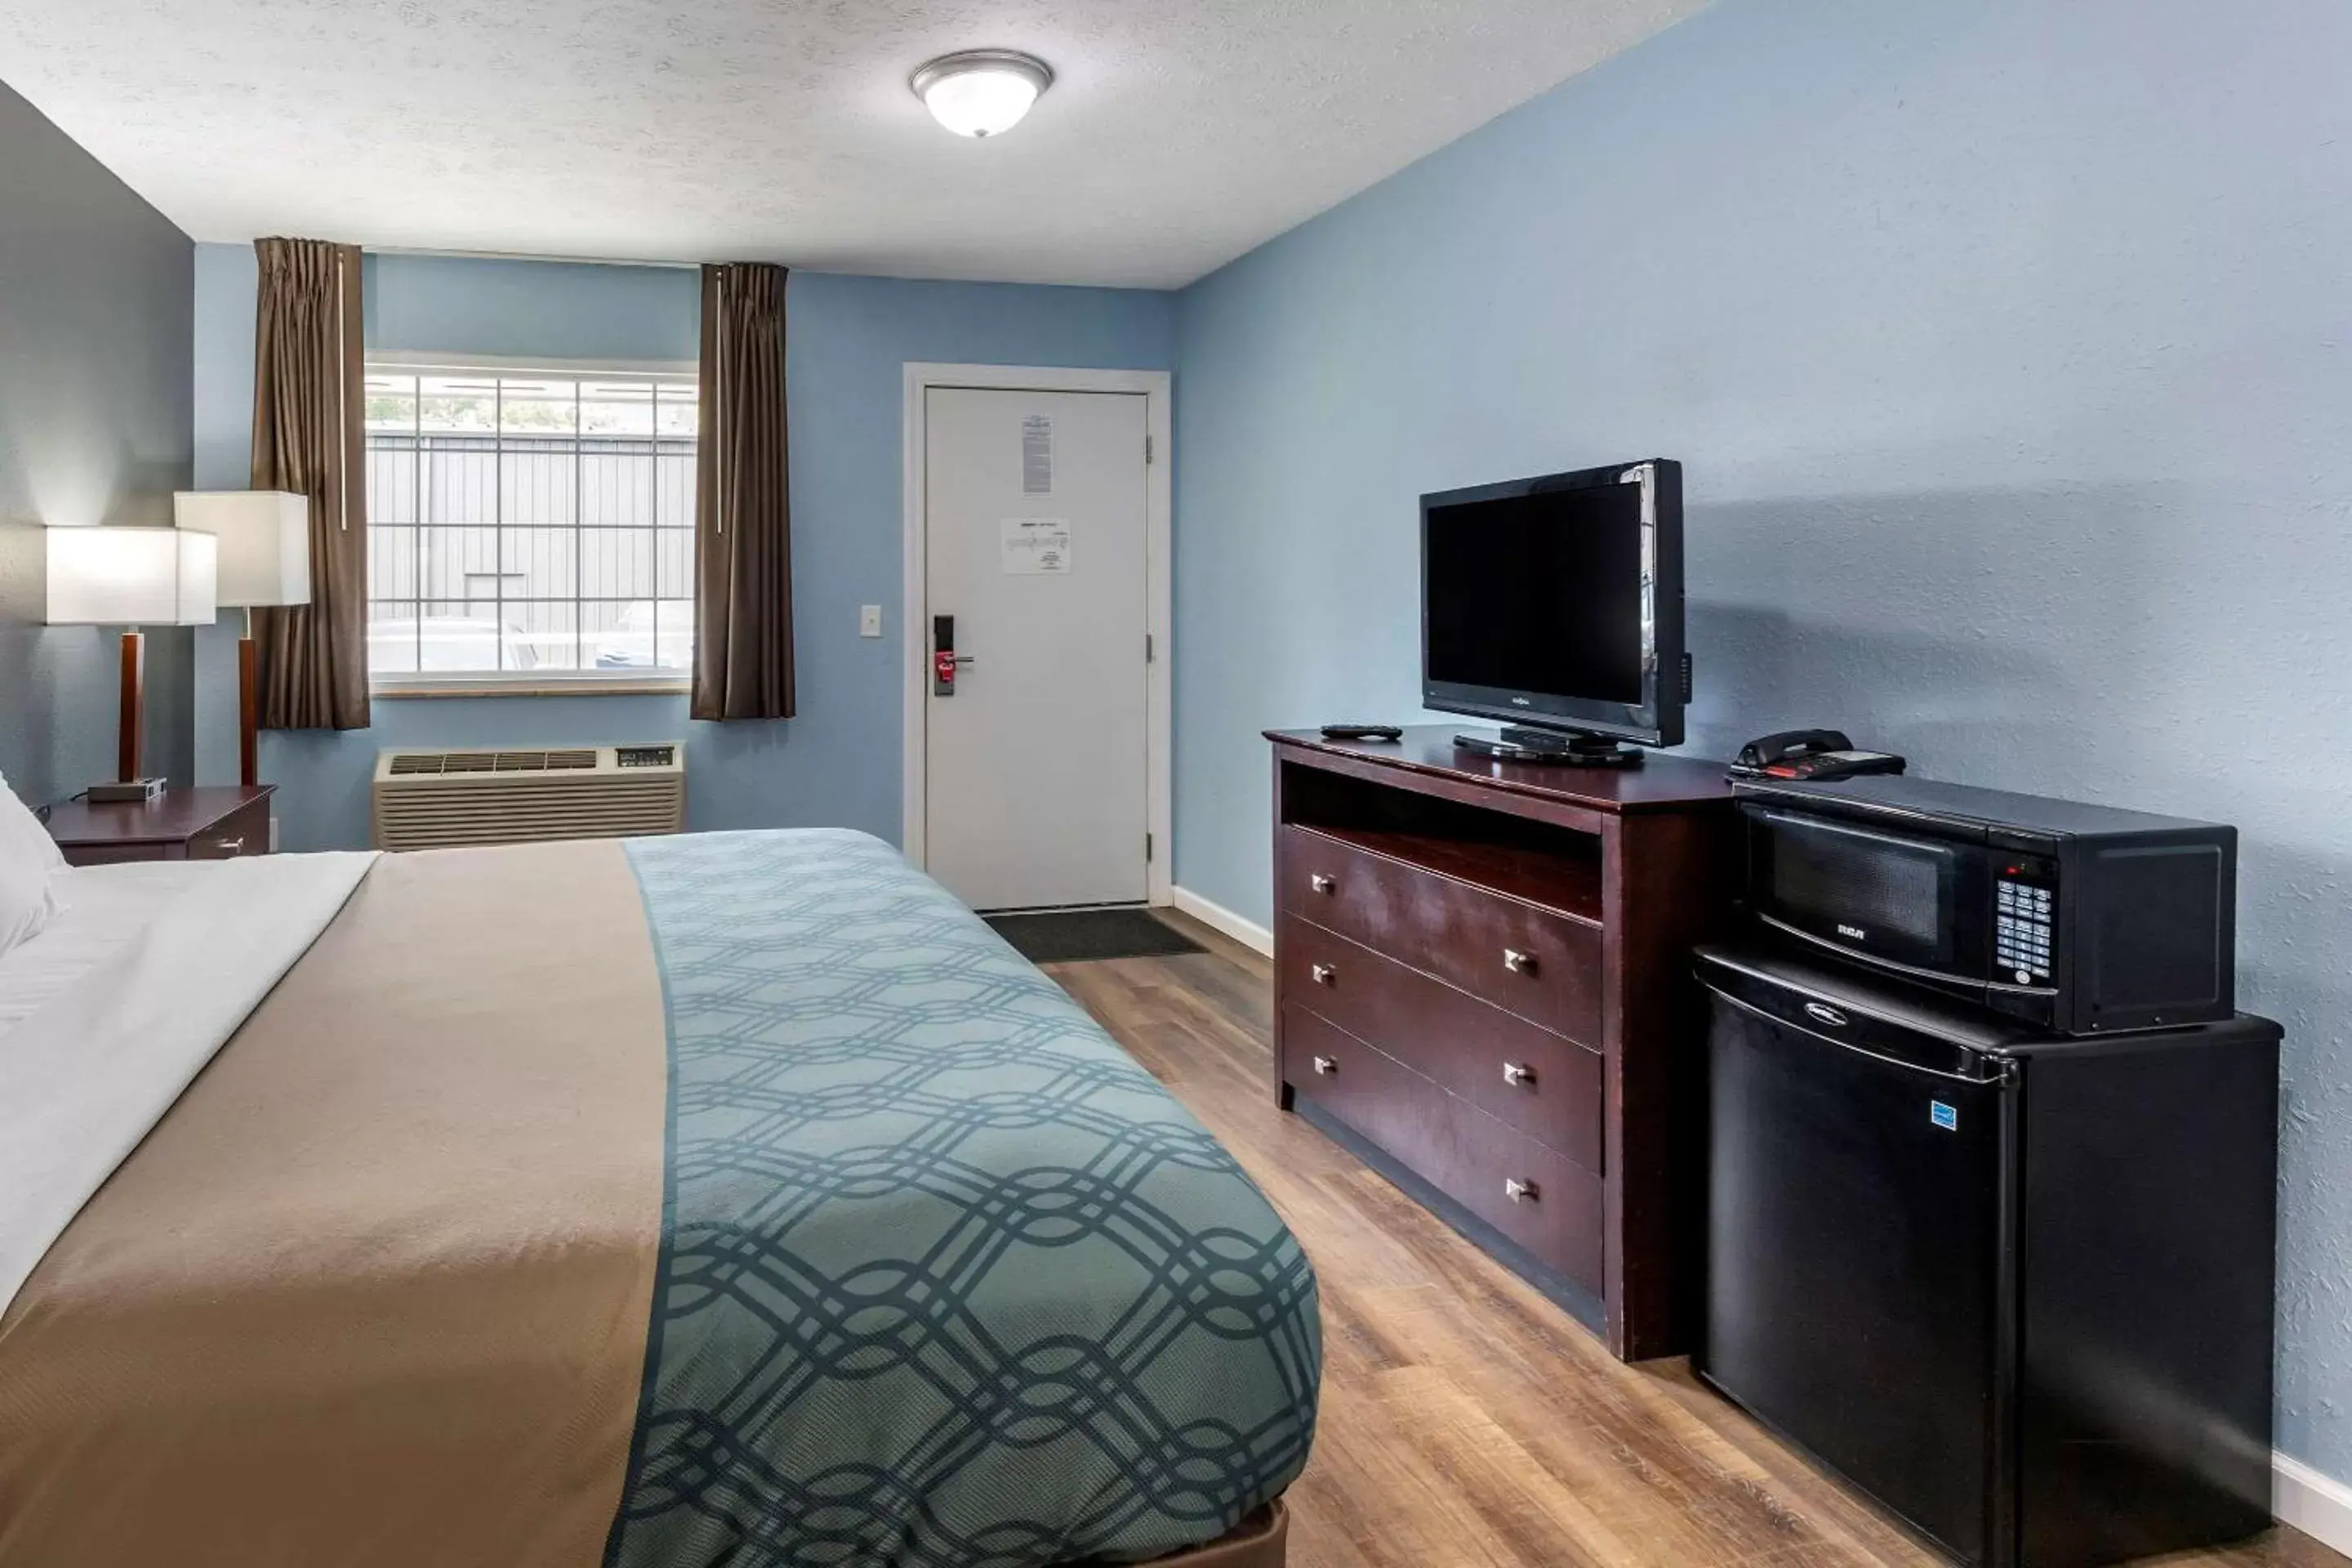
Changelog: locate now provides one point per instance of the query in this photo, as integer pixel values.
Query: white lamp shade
(265, 543)
(130, 577)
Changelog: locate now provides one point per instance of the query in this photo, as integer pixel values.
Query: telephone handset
(1811, 754)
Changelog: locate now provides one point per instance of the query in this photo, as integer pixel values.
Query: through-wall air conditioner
(443, 800)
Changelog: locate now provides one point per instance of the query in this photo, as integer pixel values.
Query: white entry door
(1037, 767)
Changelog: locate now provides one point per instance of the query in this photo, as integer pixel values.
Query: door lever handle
(1321, 883)
(1324, 974)
(1519, 1192)
(1326, 1066)
(1517, 1073)
(1518, 963)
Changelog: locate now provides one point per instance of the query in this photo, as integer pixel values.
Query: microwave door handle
(1932, 976)
(1997, 1074)
(1941, 977)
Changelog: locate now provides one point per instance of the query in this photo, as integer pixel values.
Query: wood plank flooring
(1466, 1419)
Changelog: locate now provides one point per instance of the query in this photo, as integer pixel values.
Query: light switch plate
(870, 620)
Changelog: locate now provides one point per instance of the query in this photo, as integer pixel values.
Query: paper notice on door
(1037, 455)
(1036, 545)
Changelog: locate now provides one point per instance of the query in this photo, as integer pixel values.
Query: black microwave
(2079, 919)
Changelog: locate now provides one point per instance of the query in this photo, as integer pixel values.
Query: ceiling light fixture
(982, 93)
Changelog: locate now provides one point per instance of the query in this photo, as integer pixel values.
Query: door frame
(1159, 596)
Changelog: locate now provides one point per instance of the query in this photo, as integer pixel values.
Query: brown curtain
(309, 437)
(742, 503)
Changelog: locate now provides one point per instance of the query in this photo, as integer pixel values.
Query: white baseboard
(1248, 932)
(2320, 1506)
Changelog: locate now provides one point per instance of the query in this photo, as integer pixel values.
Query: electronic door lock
(944, 659)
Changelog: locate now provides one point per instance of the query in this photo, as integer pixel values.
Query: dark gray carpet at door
(1072, 936)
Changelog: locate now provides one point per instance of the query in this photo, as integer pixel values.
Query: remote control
(1361, 732)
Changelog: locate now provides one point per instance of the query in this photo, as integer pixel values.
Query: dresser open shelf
(1483, 986)
(1567, 883)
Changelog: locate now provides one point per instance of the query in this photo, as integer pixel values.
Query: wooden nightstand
(208, 823)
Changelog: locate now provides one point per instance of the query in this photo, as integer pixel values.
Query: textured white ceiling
(1180, 134)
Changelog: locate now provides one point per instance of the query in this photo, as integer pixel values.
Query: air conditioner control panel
(645, 756)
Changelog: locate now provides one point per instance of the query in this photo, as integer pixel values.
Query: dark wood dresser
(1482, 976)
(211, 821)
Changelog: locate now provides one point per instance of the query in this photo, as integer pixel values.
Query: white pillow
(28, 863)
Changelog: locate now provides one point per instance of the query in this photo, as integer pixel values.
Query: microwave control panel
(2024, 921)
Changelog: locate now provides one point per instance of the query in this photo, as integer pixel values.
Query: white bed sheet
(157, 969)
(100, 908)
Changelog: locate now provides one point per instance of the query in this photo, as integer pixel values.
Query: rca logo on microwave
(1854, 933)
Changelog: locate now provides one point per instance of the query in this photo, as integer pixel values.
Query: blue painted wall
(525, 309)
(838, 763)
(2009, 348)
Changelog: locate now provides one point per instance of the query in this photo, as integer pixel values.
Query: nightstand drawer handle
(234, 845)
(1323, 884)
(1518, 1074)
(1324, 974)
(1325, 1066)
(1520, 1192)
(1518, 963)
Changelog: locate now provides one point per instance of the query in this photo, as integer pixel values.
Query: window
(530, 528)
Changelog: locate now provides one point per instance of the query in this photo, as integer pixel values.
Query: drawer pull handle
(1520, 1192)
(1325, 1068)
(1518, 963)
(1324, 974)
(1323, 884)
(1518, 1073)
(234, 845)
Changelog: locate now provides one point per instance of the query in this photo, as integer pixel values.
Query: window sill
(458, 685)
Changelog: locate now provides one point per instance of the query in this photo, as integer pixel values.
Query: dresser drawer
(1540, 964)
(245, 831)
(1540, 1199)
(1543, 1084)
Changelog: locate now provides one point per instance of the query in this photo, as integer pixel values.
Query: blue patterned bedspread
(946, 1277)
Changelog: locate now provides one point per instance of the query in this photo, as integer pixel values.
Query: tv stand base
(1563, 748)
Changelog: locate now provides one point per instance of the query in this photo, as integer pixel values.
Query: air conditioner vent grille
(439, 800)
(406, 763)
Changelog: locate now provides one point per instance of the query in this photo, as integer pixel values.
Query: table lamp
(130, 577)
(265, 560)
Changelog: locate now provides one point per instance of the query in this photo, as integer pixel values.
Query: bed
(727, 1198)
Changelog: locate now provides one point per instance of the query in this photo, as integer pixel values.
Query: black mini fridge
(2017, 1289)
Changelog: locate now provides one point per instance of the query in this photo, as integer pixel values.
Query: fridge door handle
(1998, 1070)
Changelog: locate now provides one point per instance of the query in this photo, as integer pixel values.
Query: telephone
(1810, 754)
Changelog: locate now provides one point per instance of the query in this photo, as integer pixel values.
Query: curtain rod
(518, 255)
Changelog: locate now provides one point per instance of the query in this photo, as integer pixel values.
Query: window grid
(532, 549)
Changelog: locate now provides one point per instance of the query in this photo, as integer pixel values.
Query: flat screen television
(1555, 605)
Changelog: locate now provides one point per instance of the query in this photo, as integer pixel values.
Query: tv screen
(1539, 593)
(1556, 602)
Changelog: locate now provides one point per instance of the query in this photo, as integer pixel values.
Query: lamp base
(135, 791)
(135, 708)
(248, 706)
